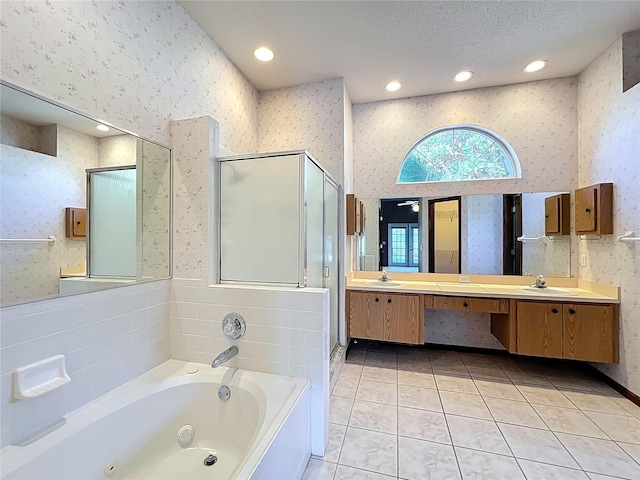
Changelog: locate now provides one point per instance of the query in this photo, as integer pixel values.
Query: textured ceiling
(422, 44)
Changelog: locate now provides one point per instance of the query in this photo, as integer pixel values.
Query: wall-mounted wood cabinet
(355, 217)
(76, 222)
(594, 209)
(393, 317)
(556, 215)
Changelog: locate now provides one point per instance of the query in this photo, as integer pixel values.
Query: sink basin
(550, 291)
(380, 283)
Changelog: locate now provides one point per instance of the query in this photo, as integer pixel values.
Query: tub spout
(225, 356)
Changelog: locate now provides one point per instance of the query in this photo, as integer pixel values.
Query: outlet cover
(583, 260)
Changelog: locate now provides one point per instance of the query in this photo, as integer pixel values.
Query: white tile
(464, 404)
(421, 460)
(600, 456)
(377, 392)
(517, 413)
(567, 420)
(477, 434)
(423, 424)
(498, 389)
(541, 471)
(545, 395)
(537, 445)
(421, 398)
(336, 438)
(348, 473)
(340, 410)
(633, 449)
(594, 402)
(452, 383)
(319, 470)
(621, 428)
(374, 416)
(374, 451)
(346, 387)
(379, 374)
(487, 466)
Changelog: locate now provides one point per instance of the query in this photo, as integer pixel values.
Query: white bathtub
(261, 432)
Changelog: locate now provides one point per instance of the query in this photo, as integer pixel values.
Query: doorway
(399, 230)
(512, 229)
(444, 235)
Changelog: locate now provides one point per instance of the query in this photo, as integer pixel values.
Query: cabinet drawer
(472, 304)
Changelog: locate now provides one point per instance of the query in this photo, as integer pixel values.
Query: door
(539, 329)
(331, 254)
(404, 245)
(366, 312)
(111, 212)
(403, 319)
(591, 332)
(444, 235)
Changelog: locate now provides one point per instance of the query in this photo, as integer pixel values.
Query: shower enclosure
(279, 224)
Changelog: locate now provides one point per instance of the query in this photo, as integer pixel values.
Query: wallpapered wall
(307, 117)
(538, 119)
(96, 57)
(35, 190)
(609, 151)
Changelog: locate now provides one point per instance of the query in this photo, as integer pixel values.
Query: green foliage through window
(459, 153)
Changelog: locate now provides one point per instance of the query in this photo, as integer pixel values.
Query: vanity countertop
(487, 290)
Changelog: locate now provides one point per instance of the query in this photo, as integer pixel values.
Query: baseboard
(621, 389)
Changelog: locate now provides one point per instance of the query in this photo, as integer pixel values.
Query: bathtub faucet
(225, 356)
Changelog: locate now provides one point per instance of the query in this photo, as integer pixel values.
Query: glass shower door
(112, 222)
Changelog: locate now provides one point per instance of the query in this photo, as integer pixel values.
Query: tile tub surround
(287, 334)
(108, 338)
(454, 438)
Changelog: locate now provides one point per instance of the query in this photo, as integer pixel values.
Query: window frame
(498, 139)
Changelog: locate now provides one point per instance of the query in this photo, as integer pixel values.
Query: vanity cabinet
(556, 215)
(471, 304)
(539, 329)
(594, 209)
(392, 317)
(575, 331)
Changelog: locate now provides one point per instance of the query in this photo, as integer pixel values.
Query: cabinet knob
(389, 300)
(465, 304)
(377, 300)
(554, 310)
(572, 311)
(588, 210)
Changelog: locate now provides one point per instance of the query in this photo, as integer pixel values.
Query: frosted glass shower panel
(260, 213)
(314, 195)
(112, 223)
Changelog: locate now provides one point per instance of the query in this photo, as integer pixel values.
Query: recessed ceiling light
(103, 128)
(463, 76)
(535, 66)
(263, 54)
(393, 86)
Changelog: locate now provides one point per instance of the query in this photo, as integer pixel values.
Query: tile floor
(414, 413)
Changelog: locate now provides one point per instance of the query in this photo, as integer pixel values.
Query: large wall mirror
(84, 206)
(471, 234)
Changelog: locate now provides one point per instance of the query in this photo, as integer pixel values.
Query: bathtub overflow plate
(233, 326)
(110, 468)
(224, 393)
(185, 435)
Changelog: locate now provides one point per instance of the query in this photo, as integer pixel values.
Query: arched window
(460, 152)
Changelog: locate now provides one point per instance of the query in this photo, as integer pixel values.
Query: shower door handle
(325, 272)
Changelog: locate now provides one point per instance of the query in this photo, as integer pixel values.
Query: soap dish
(40, 377)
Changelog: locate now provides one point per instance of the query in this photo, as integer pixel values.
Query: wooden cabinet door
(591, 332)
(366, 312)
(552, 215)
(403, 318)
(586, 206)
(539, 329)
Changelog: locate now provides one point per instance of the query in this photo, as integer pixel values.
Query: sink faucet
(385, 275)
(540, 282)
(225, 356)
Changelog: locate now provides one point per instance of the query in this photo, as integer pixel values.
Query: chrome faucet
(225, 356)
(385, 275)
(540, 282)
